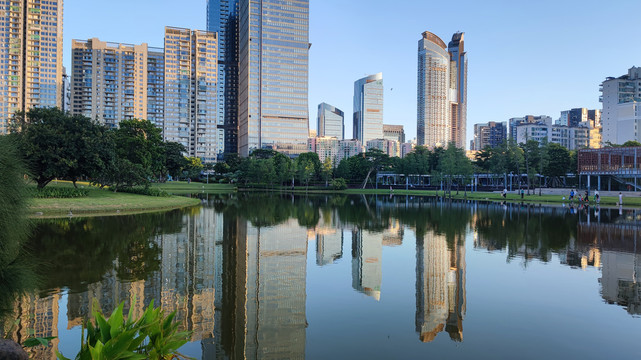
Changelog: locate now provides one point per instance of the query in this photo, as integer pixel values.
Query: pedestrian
(522, 193)
(597, 197)
(571, 195)
(620, 198)
(504, 193)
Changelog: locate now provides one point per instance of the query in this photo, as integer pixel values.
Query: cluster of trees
(449, 165)
(56, 145)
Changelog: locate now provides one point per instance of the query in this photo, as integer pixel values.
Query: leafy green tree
(417, 162)
(312, 157)
(453, 163)
(558, 161)
(193, 168)
(305, 169)
(483, 159)
(376, 160)
(174, 160)
(221, 168)
(283, 167)
(326, 170)
(631, 143)
(140, 142)
(532, 157)
(51, 143)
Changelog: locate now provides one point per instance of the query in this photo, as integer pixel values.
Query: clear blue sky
(537, 57)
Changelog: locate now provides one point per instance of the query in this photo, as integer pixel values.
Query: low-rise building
(326, 147)
(389, 147)
(348, 148)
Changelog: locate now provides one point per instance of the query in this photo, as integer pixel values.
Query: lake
(258, 276)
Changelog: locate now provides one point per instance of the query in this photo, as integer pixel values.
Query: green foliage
(149, 191)
(174, 161)
(37, 341)
(193, 168)
(558, 161)
(152, 336)
(339, 184)
(60, 193)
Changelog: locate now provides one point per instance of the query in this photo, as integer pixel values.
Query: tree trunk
(43, 182)
(74, 183)
(367, 177)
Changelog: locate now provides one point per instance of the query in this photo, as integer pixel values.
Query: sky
(524, 58)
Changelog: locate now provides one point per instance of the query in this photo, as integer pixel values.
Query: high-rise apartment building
(348, 148)
(222, 18)
(111, 82)
(442, 91)
(621, 116)
(191, 69)
(490, 134)
(389, 147)
(527, 119)
(273, 38)
(330, 121)
(570, 137)
(326, 147)
(30, 56)
(368, 108)
(394, 132)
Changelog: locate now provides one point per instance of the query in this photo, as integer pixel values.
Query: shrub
(60, 193)
(149, 191)
(153, 336)
(339, 184)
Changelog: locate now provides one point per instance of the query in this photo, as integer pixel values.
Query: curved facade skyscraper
(442, 91)
(368, 108)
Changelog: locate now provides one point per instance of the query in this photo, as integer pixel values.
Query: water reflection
(236, 270)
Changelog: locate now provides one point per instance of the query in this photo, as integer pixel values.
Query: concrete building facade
(621, 116)
(111, 82)
(390, 147)
(394, 132)
(31, 73)
(442, 91)
(191, 69)
(490, 134)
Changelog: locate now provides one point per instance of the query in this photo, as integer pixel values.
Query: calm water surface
(281, 277)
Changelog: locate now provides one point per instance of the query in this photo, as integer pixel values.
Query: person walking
(620, 198)
(522, 193)
(504, 193)
(597, 197)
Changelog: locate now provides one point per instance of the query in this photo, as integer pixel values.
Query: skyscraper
(490, 134)
(222, 17)
(330, 121)
(113, 81)
(30, 56)
(368, 108)
(273, 56)
(191, 69)
(442, 91)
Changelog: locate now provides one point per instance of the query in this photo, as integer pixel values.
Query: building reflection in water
(440, 286)
(240, 284)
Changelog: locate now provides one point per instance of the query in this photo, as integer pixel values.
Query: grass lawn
(105, 202)
(488, 196)
(182, 187)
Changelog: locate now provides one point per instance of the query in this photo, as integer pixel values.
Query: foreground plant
(152, 336)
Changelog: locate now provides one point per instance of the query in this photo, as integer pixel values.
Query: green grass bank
(101, 202)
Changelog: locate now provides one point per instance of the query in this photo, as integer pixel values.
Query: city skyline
(490, 99)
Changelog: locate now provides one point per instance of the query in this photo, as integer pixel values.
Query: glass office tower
(222, 17)
(273, 75)
(368, 108)
(30, 56)
(330, 121)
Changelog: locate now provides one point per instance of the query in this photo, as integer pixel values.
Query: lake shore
(629, 199)
(102, 202)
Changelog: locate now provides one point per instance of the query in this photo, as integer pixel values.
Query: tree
(140, 142)
(283, 167)
(453, 163)
(174, 160)
(326, 170)
(376, 159)
(193, 168)
(558, 161)
(532, 156)
(305, 169)
(54, 144)
(631, 143)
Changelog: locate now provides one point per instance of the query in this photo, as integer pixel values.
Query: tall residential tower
(111, 82)
(442, 91)
(273, 38)
(191, 67)
(368, 108)
(30, 56)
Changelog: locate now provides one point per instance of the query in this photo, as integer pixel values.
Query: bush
(154, 335)
(149, 191)
(60, 193)
(339, 184)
